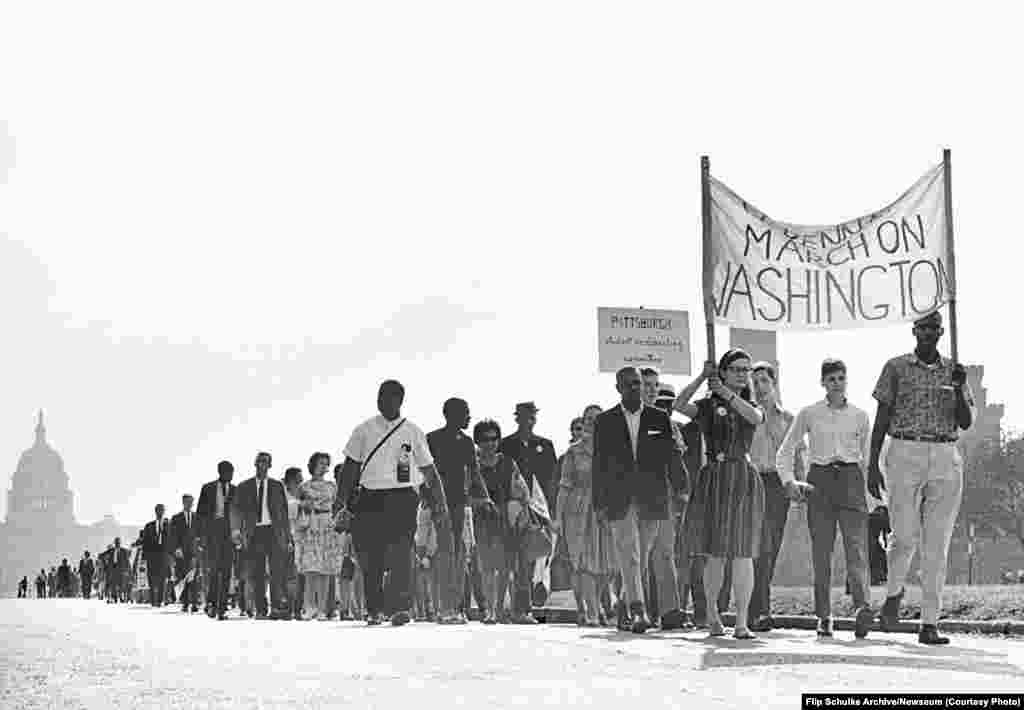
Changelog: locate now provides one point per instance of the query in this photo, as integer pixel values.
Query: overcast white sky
(227, 223)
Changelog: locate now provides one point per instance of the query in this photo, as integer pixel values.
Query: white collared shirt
(633, 424)
(159, 531)
(266, 494)
(836, 434)
(221, 499)
(406, 447)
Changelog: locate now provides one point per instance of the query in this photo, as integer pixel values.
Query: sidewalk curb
(551, 615)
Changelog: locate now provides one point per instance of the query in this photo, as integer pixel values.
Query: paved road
(78, 654)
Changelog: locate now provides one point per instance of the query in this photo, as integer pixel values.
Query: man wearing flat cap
(924, 402)
(535, 457)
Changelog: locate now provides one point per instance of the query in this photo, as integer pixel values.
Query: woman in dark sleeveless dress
(727, 508)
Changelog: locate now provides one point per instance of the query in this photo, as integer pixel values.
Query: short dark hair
(598, 407)
(830, 365)
(291, 473)
(649, 371)
(483, 426)
(315, 459)
(391, 386)
(225, 467)
(763, 366)
(189, 496)
(575, 421)
(623, 371)
(265, 453)
(454, 404)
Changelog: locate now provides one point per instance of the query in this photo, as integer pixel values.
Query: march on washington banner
(888, 267)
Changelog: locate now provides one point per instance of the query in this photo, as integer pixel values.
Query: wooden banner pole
(708, 270)
(947, 169)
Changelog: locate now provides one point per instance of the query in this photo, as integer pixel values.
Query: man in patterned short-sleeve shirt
(924, 402)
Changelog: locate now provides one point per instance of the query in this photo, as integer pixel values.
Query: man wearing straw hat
(924, 402)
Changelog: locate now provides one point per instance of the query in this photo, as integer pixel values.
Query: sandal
(715, 628)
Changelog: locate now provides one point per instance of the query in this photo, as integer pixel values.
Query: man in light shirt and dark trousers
(386, 459)
(836, 492)
(764, 449)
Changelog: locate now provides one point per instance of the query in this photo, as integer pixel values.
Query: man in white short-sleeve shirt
(387, 457)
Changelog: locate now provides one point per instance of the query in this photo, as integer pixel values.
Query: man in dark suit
(637, 461)
(155, 545)
(213, 515)
(259, 522)
(183, 541)
(120, 567)
(86, 569)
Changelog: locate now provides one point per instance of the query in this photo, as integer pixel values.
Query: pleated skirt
(726, 511)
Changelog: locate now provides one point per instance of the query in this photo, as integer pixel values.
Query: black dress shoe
(889, 617)
(638, 621)
(862, 623)
(400, 618)
(221, 616)
(929, 635)
(672, 620)
(762, 623)
(825, 628)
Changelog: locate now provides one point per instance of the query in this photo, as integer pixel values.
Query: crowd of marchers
(653, 522)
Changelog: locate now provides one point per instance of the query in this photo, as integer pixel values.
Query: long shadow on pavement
(730, 653)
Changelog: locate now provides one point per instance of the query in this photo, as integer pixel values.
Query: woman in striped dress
(727, 508)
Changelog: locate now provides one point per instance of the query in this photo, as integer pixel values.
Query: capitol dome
(40, 486)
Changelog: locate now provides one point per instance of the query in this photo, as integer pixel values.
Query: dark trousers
(86, 586)
(262, 552)
(776, 513)
(189, 591)
(878, 563)
(220, 557)
(382, 532)
(156, 574)
(838, 498)
(522, 574)
(117, 586)
(474, 585)
(450, 562)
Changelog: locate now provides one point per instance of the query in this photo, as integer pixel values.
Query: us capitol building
(41, 528)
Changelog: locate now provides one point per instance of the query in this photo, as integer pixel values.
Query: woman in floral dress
(589, 542)
(727, 508)
(317, 546)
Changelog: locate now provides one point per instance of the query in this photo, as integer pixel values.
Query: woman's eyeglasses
(739, 370)
(488, 439)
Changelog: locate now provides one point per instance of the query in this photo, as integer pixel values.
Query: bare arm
(682, 403)
(881, 428)
(785, 460)
(751, 412)
(346, 482)
(876, 482)
(433, 481)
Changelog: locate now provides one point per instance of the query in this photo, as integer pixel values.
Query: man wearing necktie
(154, 550)
(183, 544)
(214, 530)
(259, 523)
